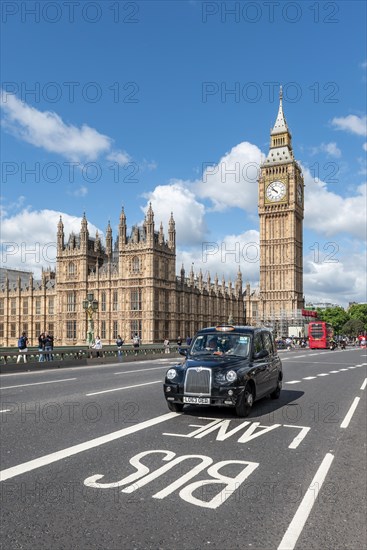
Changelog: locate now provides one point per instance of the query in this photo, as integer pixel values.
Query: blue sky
(120, 103)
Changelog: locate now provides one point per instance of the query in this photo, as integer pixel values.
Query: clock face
(299, 193)
(275, 191)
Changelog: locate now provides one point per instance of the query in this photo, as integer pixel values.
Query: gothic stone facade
(134, 281)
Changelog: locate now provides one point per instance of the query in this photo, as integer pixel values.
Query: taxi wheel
(175, 407)
(247, 400)
(276, 393)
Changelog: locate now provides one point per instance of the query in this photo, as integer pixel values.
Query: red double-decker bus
(319, 335)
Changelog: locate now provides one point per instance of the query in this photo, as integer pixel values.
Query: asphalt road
(92, 458)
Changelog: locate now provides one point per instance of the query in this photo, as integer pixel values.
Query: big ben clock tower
(281, 209)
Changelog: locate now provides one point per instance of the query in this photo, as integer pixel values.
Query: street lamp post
(90, 306)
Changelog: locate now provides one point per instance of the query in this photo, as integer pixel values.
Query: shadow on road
(263, 407)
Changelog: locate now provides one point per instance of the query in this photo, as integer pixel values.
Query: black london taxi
(227, 366)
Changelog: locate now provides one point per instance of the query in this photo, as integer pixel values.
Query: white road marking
(294, 530)
(75, 449)
(124, 388)
(302, 434)
(293, 382)
(363, 387)
(333, 371)
(5, 411)
(323, 374)
(349, 414)
(139, 370)
(343, 369)
(309, 378)
(37, 383)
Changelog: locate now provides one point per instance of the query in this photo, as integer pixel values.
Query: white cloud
(187, 211)
(121, 157)
(330, 214)
(28, 239)
(82, 191)
(364, 146)
(331, 149)
(48, 131)
(334, 278)
(224, 257)
(232, 182)
(351, 123)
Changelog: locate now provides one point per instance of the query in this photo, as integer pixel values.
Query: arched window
(71, 269)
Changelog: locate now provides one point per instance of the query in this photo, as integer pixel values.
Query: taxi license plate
(197, 400)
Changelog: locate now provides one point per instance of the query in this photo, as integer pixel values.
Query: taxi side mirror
(182, 351)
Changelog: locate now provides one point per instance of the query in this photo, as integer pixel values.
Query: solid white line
(75, 449)
(349, 414)
(139, 370)
(124, 388)
(37, 383)
(294, 530)
(309, 378)
(363, 387)
(5, 411)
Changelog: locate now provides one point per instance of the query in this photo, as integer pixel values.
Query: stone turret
(172, 232)
(109, 241)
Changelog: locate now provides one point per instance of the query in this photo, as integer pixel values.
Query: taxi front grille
(198, 381)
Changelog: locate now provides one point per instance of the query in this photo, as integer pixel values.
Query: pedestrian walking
(166, 345)
(41, 347)
(48, 346)
(98, 346)
(136, 343)
(179, 341)
(22, 347)
(119, 344)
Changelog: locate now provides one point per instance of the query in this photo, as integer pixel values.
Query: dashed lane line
(363, 387)
(324, 374)
(124, 388)
(295, 527)
(350, 413)
(37, 383)
(140, 370)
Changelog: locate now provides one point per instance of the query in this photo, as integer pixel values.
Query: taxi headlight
(171, 374)
(231, 376)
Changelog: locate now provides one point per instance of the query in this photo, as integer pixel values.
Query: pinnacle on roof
(280, 125)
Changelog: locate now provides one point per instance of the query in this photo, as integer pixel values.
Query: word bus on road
(319, 334)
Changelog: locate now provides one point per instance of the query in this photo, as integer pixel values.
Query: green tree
(336, 316)
(359, 311)
(353, 327)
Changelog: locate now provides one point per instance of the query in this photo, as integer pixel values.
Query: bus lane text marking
(143, 476)
(252, 431)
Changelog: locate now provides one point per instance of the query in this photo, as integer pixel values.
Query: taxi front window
(221, 344)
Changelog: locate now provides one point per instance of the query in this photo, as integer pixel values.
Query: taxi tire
(276, 393)
(245, 405)
(175, 407)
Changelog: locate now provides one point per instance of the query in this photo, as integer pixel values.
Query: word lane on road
(201, 479)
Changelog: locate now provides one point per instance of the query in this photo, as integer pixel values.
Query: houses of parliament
(133, 276)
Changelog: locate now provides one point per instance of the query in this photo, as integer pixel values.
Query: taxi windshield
(221, 344)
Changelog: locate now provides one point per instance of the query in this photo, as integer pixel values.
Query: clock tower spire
(281, 211)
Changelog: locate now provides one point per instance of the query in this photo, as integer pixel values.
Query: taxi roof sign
(225, 328)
